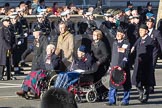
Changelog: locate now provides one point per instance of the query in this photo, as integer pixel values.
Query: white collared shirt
(150, 31)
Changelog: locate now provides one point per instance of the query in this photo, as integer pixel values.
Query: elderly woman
(101, 56)
(50, 62)
(83, 64)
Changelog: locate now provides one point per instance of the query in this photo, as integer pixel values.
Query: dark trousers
(27, 52)
(1, 71)
(143, 93)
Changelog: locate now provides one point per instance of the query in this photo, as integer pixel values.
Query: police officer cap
(82, 48)
(115, 12)
(5, 18)
(150, 20)
(39, 16)
(88, 13)
(149, 4)
(129, 3)
(143, 26)
(130, 17)
(65, 13)
(36, 29)
(109, 11)
(136, 16)
(120, 29)
(108, 15)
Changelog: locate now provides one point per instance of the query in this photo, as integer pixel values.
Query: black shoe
(110, 104)
(23, 64)
(151, 90)
(21, 69)
(18, 73)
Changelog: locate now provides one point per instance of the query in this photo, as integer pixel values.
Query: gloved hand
(19, 43)
(25, 34)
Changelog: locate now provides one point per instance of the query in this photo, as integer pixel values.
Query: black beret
(120, 29)
(150, 20)
(143, 26)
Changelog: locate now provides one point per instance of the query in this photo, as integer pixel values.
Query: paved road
(8, 99)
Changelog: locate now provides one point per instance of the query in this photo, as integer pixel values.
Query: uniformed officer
(5, 44)
(17, 35)
(130, 4)
(143, 66)
(156, 36)
(40, 24)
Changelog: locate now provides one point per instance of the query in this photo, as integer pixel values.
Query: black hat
(149, 4)
(150, 20)
(82, 48)
(143, 26)
(129, 3)
(120, 29)
(36, 29)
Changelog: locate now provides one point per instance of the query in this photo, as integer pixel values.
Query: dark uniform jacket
(156, 36)
(5, 43)
(121, 59)
(143, 66)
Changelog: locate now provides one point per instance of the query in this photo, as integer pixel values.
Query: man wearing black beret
(143, 66)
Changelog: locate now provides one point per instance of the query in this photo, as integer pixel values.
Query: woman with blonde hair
(101, 56)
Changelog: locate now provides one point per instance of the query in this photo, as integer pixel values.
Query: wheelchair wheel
(52, 81)
(91, 96)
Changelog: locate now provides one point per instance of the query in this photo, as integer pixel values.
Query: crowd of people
(126, 38)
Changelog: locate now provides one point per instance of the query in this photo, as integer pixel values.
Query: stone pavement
(8, 99)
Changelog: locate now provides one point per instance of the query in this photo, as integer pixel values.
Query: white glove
(19, 42)
(25, 34)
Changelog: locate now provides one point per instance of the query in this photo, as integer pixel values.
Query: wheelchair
(44, 84)
(84, 90)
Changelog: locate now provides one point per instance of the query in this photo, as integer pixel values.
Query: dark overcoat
(5, 43)
(121, 59)
(100, 54)
(39, 53)
(143, 66)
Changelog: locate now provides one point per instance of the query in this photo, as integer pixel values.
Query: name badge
(125, 46)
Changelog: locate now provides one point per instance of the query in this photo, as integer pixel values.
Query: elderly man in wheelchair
(82, 67)
(31, 84)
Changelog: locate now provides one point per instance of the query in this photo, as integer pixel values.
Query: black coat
(156, 36)
(39, 53)
(100, 54)
(55, 60)
(133, 33)
(122, 60)
(5, 43)
(143, 67)
(109, 33)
